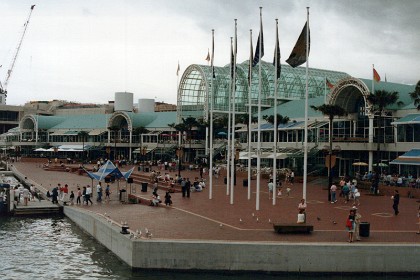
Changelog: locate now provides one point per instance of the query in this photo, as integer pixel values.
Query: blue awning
(409, 119)
(411, 157)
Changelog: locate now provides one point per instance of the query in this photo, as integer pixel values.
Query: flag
(298, 55)
(385, 78)
(257, 48)
(231, 58)
(212, 54)
(177, 70)
(329, 84)
(251, 58)
(376, 76)
(208, 56)
(276, 61)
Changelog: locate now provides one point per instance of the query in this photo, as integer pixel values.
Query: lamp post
(143, 155)
(179, 153)
(330, 160)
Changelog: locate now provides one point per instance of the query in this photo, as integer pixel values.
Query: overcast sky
(86, 50)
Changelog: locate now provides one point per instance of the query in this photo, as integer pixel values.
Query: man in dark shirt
(396, 199)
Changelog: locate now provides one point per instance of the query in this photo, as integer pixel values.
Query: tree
(331, 111)
(83, 135)
(244, 119)
(280, 119)
(415, 95)
(379, 101)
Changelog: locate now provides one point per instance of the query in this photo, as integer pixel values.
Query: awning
(97, 131)
(411, 157)
(409, 119)
(69, 148)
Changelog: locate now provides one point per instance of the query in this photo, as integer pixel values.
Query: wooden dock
(35, 207)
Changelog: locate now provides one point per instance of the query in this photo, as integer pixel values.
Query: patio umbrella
(360, 163)
(381, 164)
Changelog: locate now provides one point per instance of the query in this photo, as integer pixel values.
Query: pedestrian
(188, 187)
(183, 187)
(357, 220)
(356, 197)
(99, 192)
(302, 209)
(292, 177)
(333, 191)
(84, 195)
(350, 224)
(396, 199)
(168, 200)
(270, 188)
(88, 194)
(79, 195)
(107, 193)
(346, 192)
(71, 198)
(65, 193)
(26, 195)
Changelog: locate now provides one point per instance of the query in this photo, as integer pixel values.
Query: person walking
(87, 196)
(99, 192)
(183, 187)
(270, 188)
(79, 195)
(188, 187)
(333, 190)
(71, 198)
(350, 224)
(107, 193)
(396, 199)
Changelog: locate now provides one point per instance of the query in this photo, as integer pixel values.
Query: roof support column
(371, 116)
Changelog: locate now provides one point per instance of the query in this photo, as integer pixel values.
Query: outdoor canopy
(109, 169)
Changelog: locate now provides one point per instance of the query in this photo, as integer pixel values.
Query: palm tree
(415, 95)
(331, 111)
(244, 119)
(379, 101)
(83, 135)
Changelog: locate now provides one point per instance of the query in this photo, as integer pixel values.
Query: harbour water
(55, 248)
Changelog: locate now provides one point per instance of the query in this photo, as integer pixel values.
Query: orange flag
(376, 76)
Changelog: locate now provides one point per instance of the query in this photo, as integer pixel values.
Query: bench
(293, 228)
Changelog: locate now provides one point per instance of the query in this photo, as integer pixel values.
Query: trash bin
(245, 183)
(364, 229)
(225, 180)
(123, 195)
(144, 187)
(139, 168)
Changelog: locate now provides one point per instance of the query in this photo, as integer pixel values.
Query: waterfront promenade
(199, 218)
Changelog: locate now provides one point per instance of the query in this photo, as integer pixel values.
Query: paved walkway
(199, 218)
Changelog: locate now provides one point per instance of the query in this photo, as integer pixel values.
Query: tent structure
(109, 169)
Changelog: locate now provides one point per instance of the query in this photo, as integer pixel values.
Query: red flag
(328, 83)
(376, 76)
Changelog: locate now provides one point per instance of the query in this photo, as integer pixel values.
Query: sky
(86, 50)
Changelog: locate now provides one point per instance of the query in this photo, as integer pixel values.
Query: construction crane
(3, 88)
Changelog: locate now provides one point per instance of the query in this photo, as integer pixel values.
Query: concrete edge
(247, 256)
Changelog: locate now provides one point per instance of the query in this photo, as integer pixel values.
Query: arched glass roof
(195, 86)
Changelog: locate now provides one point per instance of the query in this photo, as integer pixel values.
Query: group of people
(348, 190)
(82, 196)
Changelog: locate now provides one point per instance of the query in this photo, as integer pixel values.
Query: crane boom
(3, 89)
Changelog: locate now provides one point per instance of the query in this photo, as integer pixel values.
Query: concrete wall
(251, 256)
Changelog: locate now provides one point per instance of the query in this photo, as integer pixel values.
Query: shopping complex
(147, 130)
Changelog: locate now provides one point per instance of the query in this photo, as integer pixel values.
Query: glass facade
(195, 88)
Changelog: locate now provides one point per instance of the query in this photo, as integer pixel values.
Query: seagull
(146, 231)
(221, 225)
(253, 214)
(334, 222)
(269, 221)
(240, 220)
(258, 220)
(318, 218)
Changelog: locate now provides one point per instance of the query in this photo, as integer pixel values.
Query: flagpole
(257, 204)
(305, 155)
(276, 53)
(233, 151)
(249, 115)
(229, 126)
(373, 79)
(211, 118)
